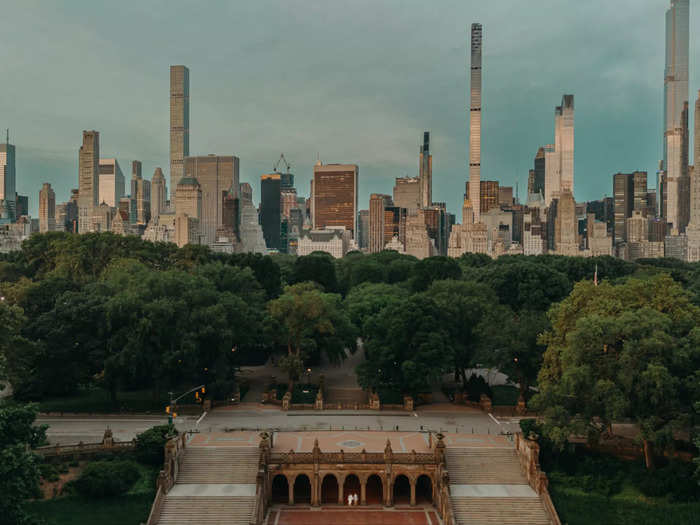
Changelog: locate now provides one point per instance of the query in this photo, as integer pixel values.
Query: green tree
(19, 466)
(473, 320)
(626, 351)
(310, 321)
(368, 299)
(522, 284)
(521, 357)
(317, 267)
(434, 269)
(408, 349)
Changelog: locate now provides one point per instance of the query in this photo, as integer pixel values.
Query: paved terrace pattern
(334, 516)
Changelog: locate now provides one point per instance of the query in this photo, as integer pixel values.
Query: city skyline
(386, 149)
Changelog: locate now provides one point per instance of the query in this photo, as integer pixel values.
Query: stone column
(389, 496)
(341, 500)
(363, 492)
(413, 491)
(291, 492)
(315, 490)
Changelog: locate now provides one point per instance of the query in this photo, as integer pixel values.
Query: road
(89, 429)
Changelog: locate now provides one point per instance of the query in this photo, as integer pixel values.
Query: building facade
(47, 209)
(477, 36)
(425, 172)
(217, 176)
(88, 180)
(111, 182)
(8, 190)
(179, 122)
(159, 192)
(335, 196)
(270, 209)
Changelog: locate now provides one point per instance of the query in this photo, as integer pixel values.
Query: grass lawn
(130, 509)
(575, 507)
(98, 401)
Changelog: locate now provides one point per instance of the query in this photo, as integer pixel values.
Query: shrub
(529, 425)
(150, 445)
(49, 472)
(675, 480)
(104, 479)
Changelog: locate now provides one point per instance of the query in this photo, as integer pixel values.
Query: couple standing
(352, 499)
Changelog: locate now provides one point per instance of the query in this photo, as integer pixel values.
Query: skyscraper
(407, 193)
(8, 190)
(475, 119)
(675, 97)
(270, 209)
(425, 170)
(158, 193)
(111, 182)
(693, 229)
(47, 209)
(217, 176)
(140, 194)
(559, 158)
(378, 203)
(179, 122)
(88, 180)
(335, 196)
(630, 195)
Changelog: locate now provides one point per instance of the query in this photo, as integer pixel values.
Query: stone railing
(174, 455)
(156, 508)
(85, 449)
(529, 455)
(375, 458)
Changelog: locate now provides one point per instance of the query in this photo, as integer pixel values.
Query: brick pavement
(356, 516)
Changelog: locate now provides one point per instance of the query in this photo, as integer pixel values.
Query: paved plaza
(365, 516)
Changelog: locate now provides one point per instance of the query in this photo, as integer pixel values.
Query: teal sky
(354, 81)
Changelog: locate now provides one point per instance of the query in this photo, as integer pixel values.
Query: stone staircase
(219, 465)
(215, 486)
(484, 466)
(487, 486)
(499, 511)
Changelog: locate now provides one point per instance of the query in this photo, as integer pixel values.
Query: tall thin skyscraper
(426, 172)
(270, 209)
(675, 97)
(88, 180)
(179, 122)
(8, 192)
(693, 229)
(111, 182)
(475, 119)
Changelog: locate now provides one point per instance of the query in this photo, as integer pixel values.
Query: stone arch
(401, 490)
(374, 489)
(302, 489)
(329, 489)
(279, 491)
(351, 486)
(424, 489)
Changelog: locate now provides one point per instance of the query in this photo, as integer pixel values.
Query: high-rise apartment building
(111, 182)
(475, 119)
(559, 160)
(188, 203)
(47, 209)
(674, 167)
(270, 209)
(88, 180)
(335, 196)
(140, 194)
(425, 172)
(407, 193)
(159, 193)
(488, 195)
(179, 122)
(378, 204)
(363, 230)
(8, 175)
(693, 229)
(217, 175)
(630, 195)
(538, 174)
